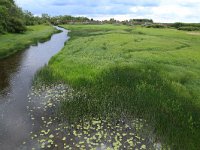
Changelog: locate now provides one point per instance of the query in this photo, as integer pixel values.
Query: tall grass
(148, 73)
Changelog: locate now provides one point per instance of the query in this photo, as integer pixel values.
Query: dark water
(16, 74)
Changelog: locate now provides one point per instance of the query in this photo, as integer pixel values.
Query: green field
(12, 43)
(148, 73)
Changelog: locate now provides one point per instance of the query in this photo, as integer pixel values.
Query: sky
(159, 10)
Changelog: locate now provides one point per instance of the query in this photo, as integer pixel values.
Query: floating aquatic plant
(88, 133)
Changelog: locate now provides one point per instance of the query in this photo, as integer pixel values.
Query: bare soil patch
(193, 33)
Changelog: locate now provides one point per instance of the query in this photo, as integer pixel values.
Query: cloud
(137, 2)
(158, 10)
(105, 2)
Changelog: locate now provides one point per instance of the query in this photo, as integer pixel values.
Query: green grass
(12, 43)
(148, 73)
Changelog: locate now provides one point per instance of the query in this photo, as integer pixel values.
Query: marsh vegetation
(152, 74)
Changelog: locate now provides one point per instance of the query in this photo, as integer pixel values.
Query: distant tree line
(186, 26)
(66, 19)
(13, 19)
(177, 25)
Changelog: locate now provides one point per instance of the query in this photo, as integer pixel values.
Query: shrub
(1, 29)
(177, 24)
(189, 28)
(156, 26)
(16, 25)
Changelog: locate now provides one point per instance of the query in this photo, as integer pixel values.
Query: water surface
(16, 74)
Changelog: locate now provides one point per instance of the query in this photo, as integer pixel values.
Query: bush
(186, 26)
(177, 25)
(16, 25)
(1, 29)
(156, 26)
(11, 17)
(189, 28)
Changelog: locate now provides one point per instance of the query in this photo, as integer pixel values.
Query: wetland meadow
(89, 83)
(121, 74)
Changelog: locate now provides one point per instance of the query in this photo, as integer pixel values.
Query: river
(16, 75)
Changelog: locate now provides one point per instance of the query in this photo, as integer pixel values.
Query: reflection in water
(7, 68)
(16, 74)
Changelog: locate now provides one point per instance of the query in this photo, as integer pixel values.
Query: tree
(29, 19)
(177, 25)
(11, 17)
